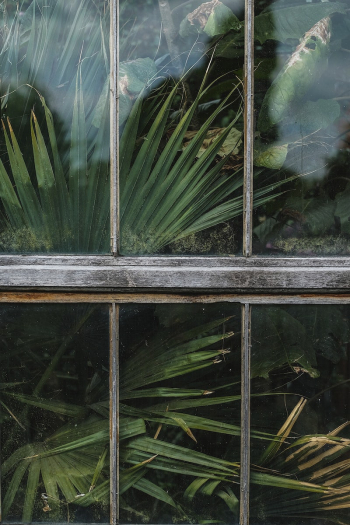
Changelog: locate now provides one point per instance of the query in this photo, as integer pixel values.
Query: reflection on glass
(54, 167)
(180, 413)
(54, 413)
(300, 412)
(181, 123)
(302, 95)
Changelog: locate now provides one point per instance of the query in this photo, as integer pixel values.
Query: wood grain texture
(171, 298)
(183, 262)
(170, 278)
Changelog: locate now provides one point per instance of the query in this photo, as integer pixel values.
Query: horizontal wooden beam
(171, 298)
(185, 261)
(175, 275)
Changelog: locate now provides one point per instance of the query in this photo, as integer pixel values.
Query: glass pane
(181, 125)
(300, 410)
(302, 136)
(180, 413)
(54, 168)
(54, 413)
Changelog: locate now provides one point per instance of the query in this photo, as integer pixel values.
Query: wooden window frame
(116, 279)
(248, 274)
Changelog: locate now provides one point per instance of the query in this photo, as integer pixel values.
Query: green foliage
(285, 340)
(133, 77)
(164, 418)
(301, 52)
(292, 22)
(213, 18)
(267, 156)
(64, 215)
(304, 66)
(313, 116)
(178, 195)
(59, 194)
(57, 52)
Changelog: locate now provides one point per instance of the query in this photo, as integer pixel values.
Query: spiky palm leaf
(168, 194)
(56, 53)
(305, 472)
(60, 201)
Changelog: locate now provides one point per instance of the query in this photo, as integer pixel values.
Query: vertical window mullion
(114, 133)
(114, 413)
(245, 413)
(248, 127)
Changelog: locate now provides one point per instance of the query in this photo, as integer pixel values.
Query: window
(174, 345)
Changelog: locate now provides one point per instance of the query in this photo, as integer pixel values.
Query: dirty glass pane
(181, 126)
(54, 168)
(179, 413)
(300, 410)
(54, 413)
(302, 59)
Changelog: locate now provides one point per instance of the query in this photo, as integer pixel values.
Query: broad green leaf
(303, 68)
(270, 156)
(265, 228)
(313, 116)
(133, 77)
(221, 20)
(284, 23)
(213, 18)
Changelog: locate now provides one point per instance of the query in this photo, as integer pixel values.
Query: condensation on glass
(179, 413)
(302, 129)
(300, 411)
(54, 413)
(54, 167)
(181, 127)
